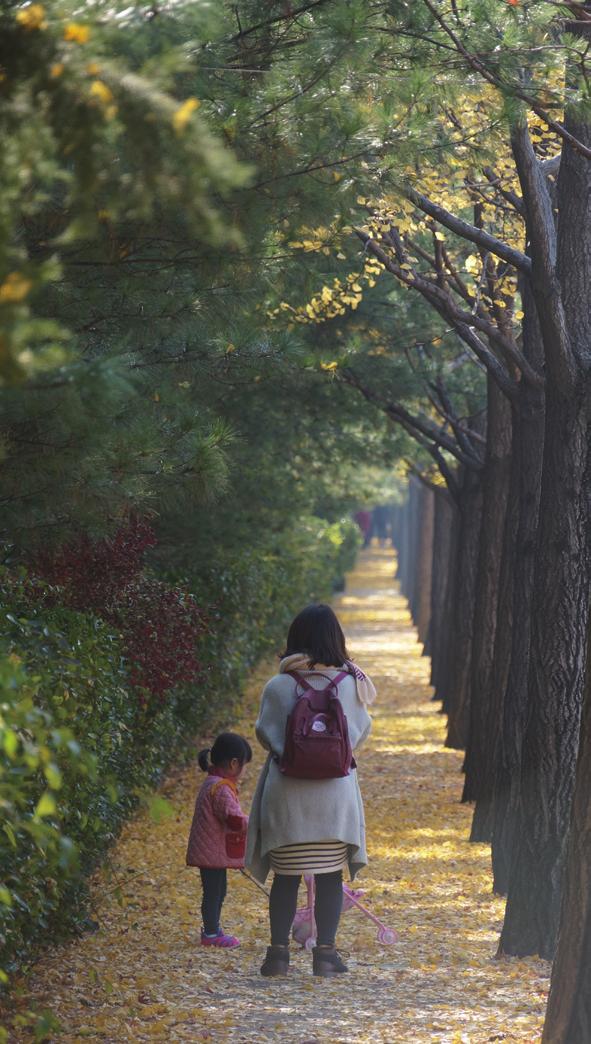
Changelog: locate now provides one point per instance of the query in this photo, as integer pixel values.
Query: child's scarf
(366, 692)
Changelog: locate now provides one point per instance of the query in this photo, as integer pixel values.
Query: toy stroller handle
(367, 912)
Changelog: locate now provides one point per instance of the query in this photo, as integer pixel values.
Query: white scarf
(366, 692)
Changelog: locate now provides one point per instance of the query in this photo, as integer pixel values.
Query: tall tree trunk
(402, 541)
(464, 591)
(562, 577)
(558, 638)
(496, 476)
(416, 545)
(424, 561)
(443, 523)
(528, 445)
(568, 1016)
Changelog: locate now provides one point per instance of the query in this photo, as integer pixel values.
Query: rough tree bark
(415, 524)
(462, 615)
(443, 524)
(424, 561)
(495, 482)
(563, 567)
(568, 1016)
(528, 446)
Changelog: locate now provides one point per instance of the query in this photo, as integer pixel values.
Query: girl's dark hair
(317, 633)
(228, 745)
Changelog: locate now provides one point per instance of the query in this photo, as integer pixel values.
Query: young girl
(218, 831)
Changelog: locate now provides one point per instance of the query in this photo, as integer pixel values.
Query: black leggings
(214, 892)
(327, 907)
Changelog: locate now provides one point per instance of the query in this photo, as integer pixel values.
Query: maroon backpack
(317, 744)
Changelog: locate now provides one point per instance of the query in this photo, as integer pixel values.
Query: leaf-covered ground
(142, 976)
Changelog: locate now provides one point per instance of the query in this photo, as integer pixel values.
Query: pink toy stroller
(304, 925)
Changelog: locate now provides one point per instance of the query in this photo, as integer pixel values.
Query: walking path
(143, 977)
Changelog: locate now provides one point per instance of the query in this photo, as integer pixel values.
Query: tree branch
(467, 231)
(493, 178)
(289, 15)
(420, 428)
(541, 231)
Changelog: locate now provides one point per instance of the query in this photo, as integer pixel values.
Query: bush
(253, 595)
(77, 745)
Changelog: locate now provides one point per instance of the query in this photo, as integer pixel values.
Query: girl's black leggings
(214, 892)
(327, 908)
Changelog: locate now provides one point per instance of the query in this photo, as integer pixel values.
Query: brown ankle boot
(276, 962)
(327, 961)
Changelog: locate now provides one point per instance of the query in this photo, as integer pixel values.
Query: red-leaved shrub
(159, 624)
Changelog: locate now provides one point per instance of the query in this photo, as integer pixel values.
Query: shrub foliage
(81, 736)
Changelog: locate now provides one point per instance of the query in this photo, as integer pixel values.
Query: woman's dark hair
(317, 633)
(228, 745)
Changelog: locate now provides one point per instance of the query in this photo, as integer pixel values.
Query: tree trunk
(402, 541)
(424, 561)
(462, 616)
(528, 446)
(441, 623)
(568, 1016)
(496, 476)
(562, 578)
(416, 544)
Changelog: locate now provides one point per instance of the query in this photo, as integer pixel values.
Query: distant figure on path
(363, 520)
(380, 523)
(218, 832)
(299, 823)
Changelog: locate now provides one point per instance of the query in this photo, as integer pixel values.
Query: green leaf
(159, 808)
(11, 743)
(53, 775)
(46, 806)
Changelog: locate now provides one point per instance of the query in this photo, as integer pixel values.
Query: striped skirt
(315, 857)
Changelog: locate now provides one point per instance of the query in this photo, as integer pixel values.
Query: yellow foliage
(75, 32)
(15, 288)
(99, 90)
(183, 114)
(32, 17)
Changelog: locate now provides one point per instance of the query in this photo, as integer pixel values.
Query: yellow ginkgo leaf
(183, 114)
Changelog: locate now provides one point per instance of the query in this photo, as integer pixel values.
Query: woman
(308, 826)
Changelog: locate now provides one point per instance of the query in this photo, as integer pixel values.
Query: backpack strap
(340, 676)
(300, 680)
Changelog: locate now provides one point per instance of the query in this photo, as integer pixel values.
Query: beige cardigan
(287, 811)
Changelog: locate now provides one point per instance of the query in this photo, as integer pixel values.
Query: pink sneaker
(225, 941)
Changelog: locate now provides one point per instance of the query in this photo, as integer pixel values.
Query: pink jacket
(218, 831)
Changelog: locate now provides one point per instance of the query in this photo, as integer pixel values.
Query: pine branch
(288, 15)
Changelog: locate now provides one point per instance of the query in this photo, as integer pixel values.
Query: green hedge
(77, 749)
